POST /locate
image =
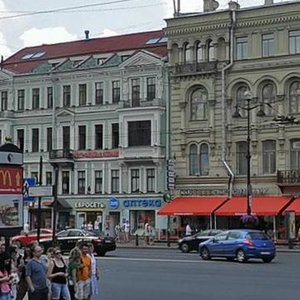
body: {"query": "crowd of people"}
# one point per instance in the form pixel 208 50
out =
pixel 48 276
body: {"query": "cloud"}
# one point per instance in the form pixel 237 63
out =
pixel 4 49
pixel 108 32
pixel 35 37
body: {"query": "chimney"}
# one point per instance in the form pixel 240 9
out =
pixel 269 2
pixel 87 34
pixel 210 5
pixel 233 5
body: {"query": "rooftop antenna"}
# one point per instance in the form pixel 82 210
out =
pixel 176 9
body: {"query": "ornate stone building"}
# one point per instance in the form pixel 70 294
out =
pixel 219 59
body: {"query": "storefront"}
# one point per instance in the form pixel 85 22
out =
pixel 46 214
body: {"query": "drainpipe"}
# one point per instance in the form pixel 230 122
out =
pixel 227 167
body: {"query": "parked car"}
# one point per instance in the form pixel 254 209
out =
pixel 27 238
pixel 191 243
pixel 69 238
pixel 239 244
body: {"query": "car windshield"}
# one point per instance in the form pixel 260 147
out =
pixel 89 233
pixel 257 236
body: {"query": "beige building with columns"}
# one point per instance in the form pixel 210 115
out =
pixel 218 60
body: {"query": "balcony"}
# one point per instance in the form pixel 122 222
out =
pixel 288 178
pixel 62 157
pixel 194 68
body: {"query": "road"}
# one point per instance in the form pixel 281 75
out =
pixel 150 274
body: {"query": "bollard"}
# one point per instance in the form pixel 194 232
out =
pixel 136 240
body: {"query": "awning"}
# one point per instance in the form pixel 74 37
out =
pixel 261 206
pixel 294 206
pixel 192 206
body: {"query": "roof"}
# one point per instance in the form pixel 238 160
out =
pixel 261 206
pixel 192 206
pixel 27 59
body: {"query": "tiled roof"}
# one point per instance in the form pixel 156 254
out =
pixel 17 64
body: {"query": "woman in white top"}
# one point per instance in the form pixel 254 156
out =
pixel 94 271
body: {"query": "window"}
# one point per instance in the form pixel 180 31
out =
pixel 82 137
pixel 98 182
pixel 116 91
pixel 294 97
pixel 295 155
pixel 82 94
pixel 188 53
pixel 241 100
pixel 99 136
pixel 150 174
pixel 35 98
pixel 98 93
pixel 268 45
pixel 210 51
pixel 66 96
pixel 49 97
pixel 241 157
pixel 66 137
pixel 135 180
pixel 48 178
pixel 49 139
pixel 241 48
pixel 135 92
pixel 115 181
pixel 294 41
pixel 4 100
pixel 115 135
pixel 81 182
pixel 65 182
pixel 139 133
pixel 199 104
pixel 269 157
pixel 199 52
pixel 35 175
pixel 21 99
pixel 151 88
pixel 199 160
pixel 268 96
pixel 35 140
pixel 20 138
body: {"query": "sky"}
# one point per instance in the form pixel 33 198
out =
pixel 25 23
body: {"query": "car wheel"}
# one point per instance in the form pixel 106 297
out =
pixel 267 259
pixel 205 254
pixel 241 256
pixel 101 253
pixel 185 248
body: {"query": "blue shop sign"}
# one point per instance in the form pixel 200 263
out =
pixel 142 203
pixel 114 203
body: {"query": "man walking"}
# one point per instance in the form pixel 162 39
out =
pixel 36 276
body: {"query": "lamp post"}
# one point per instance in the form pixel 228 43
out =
pixel 248 108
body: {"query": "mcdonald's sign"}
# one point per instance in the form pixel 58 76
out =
pixel 11 180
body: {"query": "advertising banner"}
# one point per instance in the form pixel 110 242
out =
pixel 11 180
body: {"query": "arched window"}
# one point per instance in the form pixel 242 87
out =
pixel 269 157
pixel 210 51
pixel 240 100
pixel 199 104
pixel 268 96
pixel 199 52
pixel 199 160
pixel 241 160
pixel 294 97
pixel 174 54
pixel 187 51
pixel 194 160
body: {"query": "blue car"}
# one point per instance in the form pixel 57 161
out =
pixel 239 244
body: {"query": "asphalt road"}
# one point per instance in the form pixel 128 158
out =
pixel 150 274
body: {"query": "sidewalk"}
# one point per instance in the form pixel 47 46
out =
pixel 174 246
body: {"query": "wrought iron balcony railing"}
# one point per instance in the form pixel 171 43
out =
pixel 61 154
pixel 195 68
pixel 288 177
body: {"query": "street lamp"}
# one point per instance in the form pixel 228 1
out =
pixel 248 97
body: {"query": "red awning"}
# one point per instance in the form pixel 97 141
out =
pixel 294 206
pixel 261 206
pixel 192 206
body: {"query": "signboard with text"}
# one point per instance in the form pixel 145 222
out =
pixel 11 180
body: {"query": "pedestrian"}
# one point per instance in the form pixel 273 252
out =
pixel 73 267
pixel 83 287
pixel 14 273
pixel 126 231
pixel 90 226
pixel 117 232
pixel 188 230
pixel 26 228
pixel 147 233
pixel 5 284
pixel 36 275
pixel 22 261
pixel 94 272
pixel 57 273
pixel 96 226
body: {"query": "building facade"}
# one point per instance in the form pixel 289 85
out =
pixel 218 59
pixel 95 111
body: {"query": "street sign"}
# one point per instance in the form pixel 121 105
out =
pixel 28 182
pixel 40 191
